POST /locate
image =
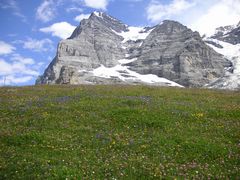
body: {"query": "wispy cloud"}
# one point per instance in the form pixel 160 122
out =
pixel 81 17
pixel 37 45
pixel 18 69
pixel 74 9
pixel 156 11
pixel 14 80
pixel 14 7
pixel 22 60
pixel 62 30
pixel 97 4
pixel 6 48
pixel 46 11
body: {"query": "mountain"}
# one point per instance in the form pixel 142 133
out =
pixel 229 34
pixel 226 41
pixel 103 50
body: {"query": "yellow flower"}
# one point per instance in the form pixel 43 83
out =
pixel 198 115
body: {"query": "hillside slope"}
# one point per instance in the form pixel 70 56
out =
pixel 118 132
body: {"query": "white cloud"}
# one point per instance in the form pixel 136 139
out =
pixel 5 68
pixel 22 60
pixel 13 80
pixel 222 13
pixel 156 11
pixel 97 4
pixel 203 16
pixel 62 30
pixel 74 9
pixel 46 11
pixel 18 70
pixel 38 45
pixel 81 17
pixel 6 48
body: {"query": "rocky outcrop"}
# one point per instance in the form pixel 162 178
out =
pixel 229 34
pixel 226 41
pixel 175 52
pixel 92 43
pixel 159 55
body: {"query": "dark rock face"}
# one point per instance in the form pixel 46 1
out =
pixel 171 51
pixel 229 34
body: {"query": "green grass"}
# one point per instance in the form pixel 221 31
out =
pixel 118 132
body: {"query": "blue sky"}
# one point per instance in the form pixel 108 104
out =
pixel 31 29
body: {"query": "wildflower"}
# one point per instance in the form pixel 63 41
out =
pixel 198 115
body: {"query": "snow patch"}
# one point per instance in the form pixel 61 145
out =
pixel 133 33
pixel 232 53
pixel 98 14
pixel 225 29
pixel 127 55
pixel 125 61
pixel 123 73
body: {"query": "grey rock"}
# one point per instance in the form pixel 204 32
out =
pixel 91 44
pixel 213 43
pixel 175 52
pixel 227 82
pixel 229 34
pixel 171 51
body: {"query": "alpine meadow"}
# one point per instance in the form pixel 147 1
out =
pixel 119 89
pixel 118 132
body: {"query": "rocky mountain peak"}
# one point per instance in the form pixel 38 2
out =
pixel 229 34
pixel 99 20
pixel 103 50
pixel 171 27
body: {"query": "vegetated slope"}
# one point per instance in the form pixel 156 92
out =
pixel 118 132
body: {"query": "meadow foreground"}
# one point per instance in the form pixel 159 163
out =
pixel 118 132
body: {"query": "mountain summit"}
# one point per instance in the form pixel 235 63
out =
pixel 103 50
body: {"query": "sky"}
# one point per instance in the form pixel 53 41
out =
pixel 31 29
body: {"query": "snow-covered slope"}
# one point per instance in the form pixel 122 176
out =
pixel 134 33
pixel 231 80
pixel 126 75
pixel 104 50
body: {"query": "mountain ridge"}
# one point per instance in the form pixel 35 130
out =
pixel 168 54
pixel 226 41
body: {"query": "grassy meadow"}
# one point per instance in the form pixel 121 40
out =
pixel 118 132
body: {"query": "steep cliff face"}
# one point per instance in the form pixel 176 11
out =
pixel 103 50
pixel 175 52
pixel 91 44
pixel 229 34
pixel 226 41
